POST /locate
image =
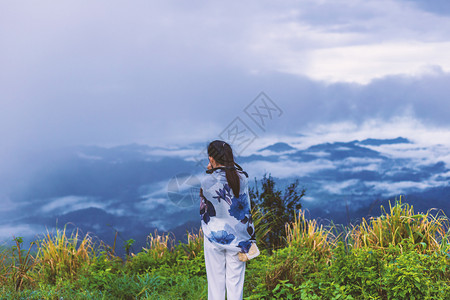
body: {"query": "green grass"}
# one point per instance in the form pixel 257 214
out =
pixel 399 255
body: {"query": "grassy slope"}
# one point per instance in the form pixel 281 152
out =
pixel 399 255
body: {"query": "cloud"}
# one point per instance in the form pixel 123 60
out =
pixel 152 203
pixel 339 188
pixel 441 7
pixel 351 41
pixel 7 204
pixel 67 204
pixel 171 196
pixel 8 232
pixel 355 164
pixel 420 154
pixel 402 187
pixel 364 63
pixel 161 73
pixel 177 152
pixel 286 169
pixel 420 133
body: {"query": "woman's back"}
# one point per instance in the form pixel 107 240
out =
pixel 226 218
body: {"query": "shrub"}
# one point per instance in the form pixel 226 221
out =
pixel 417 276
pixel 307 234
pixel 16 265
pixel 425 231
pixel 159 251
pixel 101 272
pixel 358 271
pixel 61 257
pixel 285 271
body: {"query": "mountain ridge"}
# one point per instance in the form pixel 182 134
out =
pixel 127 187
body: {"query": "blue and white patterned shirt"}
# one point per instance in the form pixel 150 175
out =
pixel 226 219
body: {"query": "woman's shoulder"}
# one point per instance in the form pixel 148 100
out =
pixel 220 176
pixel 212 178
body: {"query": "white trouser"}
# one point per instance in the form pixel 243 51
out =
pixel 223 270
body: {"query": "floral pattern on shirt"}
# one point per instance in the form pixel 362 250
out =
pixel 207 209
pixel 224 194
pixel 222 237
pixel 226 220
pixel 245 246
pixel 240 208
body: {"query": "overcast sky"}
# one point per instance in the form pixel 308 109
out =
pixel 173 72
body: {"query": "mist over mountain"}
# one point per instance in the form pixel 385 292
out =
pixel 349 97
pixel 136 189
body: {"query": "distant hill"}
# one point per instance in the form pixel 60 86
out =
pixel 278 147
pixel 379 142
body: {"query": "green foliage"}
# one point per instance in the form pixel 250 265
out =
pixel 254 284
pixel 281 274
pixel 277 208
pixel 101 272
pixel 400 255
pixel 61 256
pixel 49 292
pixel 159 251
pixel 425 231
pixel 358 271
pixel 414 275
pixel 127 245
pixel 20 263
pixel 307 234
pixel 181 287
pixel 144 262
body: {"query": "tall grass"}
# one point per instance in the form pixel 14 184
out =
pixel 159 246
pixel 62 256
pixel 4 265
pixel 16 265
pixel 395 227
pixel 162 251
pixel 402 225
pixel 309 234
pixel 194 245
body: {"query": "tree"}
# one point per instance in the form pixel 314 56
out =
pixel 277 209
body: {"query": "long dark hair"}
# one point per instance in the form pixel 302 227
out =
pixel 223 154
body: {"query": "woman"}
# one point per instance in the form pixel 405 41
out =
pixel 226 223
